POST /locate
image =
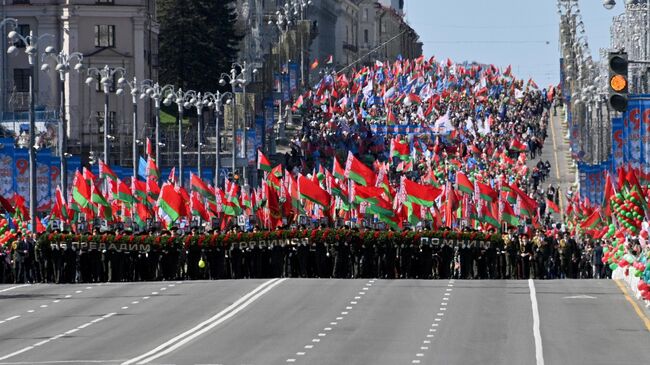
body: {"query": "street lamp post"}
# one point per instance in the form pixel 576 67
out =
pixel 216 101
pixel 239 79
pixel 158 93
pixel 181 99
pixel 106 75
pixel 64 62
pixel 31 49
pixel 137 90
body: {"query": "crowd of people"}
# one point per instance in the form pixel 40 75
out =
pixel 517 257
pixel 450 121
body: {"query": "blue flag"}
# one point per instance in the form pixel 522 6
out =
pixel 142 168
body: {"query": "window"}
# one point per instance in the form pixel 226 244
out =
pixel 100 122
pixel 103 2
pixel 23 30
pixel 21 79
pixel 22 2
pixel 104 36
pixel 365 36
pixel 365 15
pixel 99 87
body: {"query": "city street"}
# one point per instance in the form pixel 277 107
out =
pixel 322 322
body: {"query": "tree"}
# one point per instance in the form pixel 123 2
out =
pixel 198 41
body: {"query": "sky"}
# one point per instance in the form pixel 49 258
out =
pixel 523 33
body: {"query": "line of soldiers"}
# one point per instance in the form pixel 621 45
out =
pixel 519 258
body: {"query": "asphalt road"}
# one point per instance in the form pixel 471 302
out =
pixel 322 322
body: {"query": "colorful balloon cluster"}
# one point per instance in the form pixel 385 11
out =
pixel 628 209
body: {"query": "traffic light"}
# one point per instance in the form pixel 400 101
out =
pixel 618 84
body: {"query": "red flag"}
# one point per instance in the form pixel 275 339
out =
pixel 149 148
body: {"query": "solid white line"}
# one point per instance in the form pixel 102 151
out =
pixel 539 352
pixel 62 362
pixel 207 325
pixel 14 287
pixel 11 318
pixel 17 352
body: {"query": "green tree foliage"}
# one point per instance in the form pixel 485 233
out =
pixel 198 41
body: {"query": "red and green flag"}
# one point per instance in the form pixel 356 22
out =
pixel 312 191
pixel 424 195
pixel 170 203
pixel 464 184
pixel 201 187
pixel 509 215
pixel 338 171
pixel 80 190
pixel 518 146
pixel 400 149
pixel 593 221
pixel 487 193
pixel 152 169
pixel 357 171
pixel 123 193
pixel 263 162
pixel 552 206
pixel 105 172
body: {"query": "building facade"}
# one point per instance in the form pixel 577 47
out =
pixel 117 33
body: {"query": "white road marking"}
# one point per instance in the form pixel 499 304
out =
pixel 539 351
pixel 426 341
pixel 135 302
pixel 56 301
pixel 145 298
pixel 68 296
pixel 291 360
pixel 348 308
pixel 62 362
pixel 71 331
pixel 315 340
pixel 327 329
pixel 419 354
pixel 445 298
pixel 339 318
pixel 353 302
pixel 450 289
pixel 344 313
pixel 429 336
pixel 440 314
pixel 424 348
pixel 41 343
pixel 309 346
pixel 415 362
pixel 447 294
pixel 154 293
pixel 357 297
pixel 205 326
pixel 333 323
pixel 31 311
pixel 125 307
pixel 97 320
pixel 445 303
pixel 443 309
pixel 11 318
pixel 44 306
pixel 89 287
pixel 78 291
pixel 438 319
pixel 362 293
pixel 84 325
pixel 171 285
pixel 163 289
pixel 321 335
pixel 17 352
pixel 300 353
pixel 14 287
pixel 432 330
pixel 366 288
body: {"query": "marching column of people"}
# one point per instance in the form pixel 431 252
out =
pixel 543 256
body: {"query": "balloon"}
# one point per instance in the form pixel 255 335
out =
pixel 605 249
pixel 201 264
pixel 613 266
